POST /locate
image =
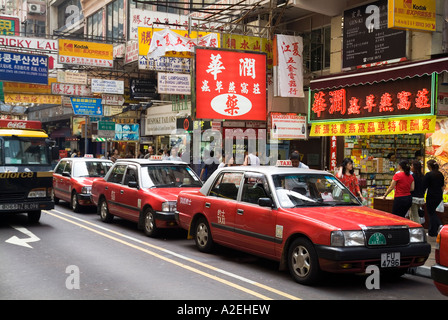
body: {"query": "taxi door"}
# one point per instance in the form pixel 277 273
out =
pixel 254 223
pixel 112 189
pixel 129 199
pixel 57 179
pixel 65 185
pixel 220 206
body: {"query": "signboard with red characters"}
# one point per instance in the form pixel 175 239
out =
pixel 20 124
pixel 230 84
pixel 410 96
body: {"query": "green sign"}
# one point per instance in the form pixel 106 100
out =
pixel 106 125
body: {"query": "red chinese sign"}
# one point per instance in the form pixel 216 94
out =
pixel 394 98
pixel 230 85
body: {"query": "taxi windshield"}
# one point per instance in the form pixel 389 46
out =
pixel 169 176
pixel 91 168
pixel 301 190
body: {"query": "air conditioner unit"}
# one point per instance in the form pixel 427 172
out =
pixel 34 8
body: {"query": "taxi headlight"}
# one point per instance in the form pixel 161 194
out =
pixel 341 238
pixel 37 193
pixel 86 189
pixel 169 206
pixel 417 235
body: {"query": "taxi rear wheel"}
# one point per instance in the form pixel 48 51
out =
pixel 103 210
pixel 303 262
pixel 149 225
pixel 203 236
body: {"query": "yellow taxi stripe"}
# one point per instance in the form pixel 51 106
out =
pixel 223 281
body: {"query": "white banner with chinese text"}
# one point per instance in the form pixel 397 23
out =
pixel 290 66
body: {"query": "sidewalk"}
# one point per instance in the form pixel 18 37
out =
pixel 425 270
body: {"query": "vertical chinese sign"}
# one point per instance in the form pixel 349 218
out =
pixel 290 66
pixel 230 84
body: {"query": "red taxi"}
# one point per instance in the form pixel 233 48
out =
pixel 73 177
pixel 439 271
pixel 305 219
pixel 144 191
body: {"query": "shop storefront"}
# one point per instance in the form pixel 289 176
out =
pixel 378 117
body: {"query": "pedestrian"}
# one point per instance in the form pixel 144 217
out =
pixel 295 161
pixel 228 161
pixel 115 155
pixel 403 183
pixel 346 174
pixel 150 152
pixel 433 184
pixel 251 160
pixel 418 194
pixel 210 165
pixel 74 153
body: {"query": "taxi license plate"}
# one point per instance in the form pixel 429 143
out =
pixel 19 206
pixel 390 259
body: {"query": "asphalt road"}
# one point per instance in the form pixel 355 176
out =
pixel 75 256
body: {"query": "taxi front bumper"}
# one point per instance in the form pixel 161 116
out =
pixel 356 259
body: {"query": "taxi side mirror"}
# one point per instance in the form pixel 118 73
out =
pixel 133 184
pixel 265 202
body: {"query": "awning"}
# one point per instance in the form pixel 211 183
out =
pixel 378 74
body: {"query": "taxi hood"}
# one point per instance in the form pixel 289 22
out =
pixel 168 194
pixel 86 181
pixel 352 217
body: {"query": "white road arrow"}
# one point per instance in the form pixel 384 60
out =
pixel 23 242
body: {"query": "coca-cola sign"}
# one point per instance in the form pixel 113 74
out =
pixel 20 124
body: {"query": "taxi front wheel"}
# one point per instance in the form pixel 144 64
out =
pixel 203 236
pixel 149 226
pixel 303 262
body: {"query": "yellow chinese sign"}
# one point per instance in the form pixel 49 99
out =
pixel 145 35
pixel 18 87
pixel 412 14
pixel 85 53
pixel 32 98
pixel 239 42
pixel 401 125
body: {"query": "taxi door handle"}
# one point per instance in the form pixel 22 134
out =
pixel 240 211
pixel 106 188
pixel 121 191
pixel 207 204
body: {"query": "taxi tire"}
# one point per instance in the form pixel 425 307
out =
pixel 303 263
pixel 103 211
pixel 55 199
pixel 202 236
pixel 148 217
pixel 74 202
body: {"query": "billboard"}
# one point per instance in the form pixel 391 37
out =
pixel 86 53
pixel 22 67
pixel 230 84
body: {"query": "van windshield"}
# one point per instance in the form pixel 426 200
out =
pixel 24 151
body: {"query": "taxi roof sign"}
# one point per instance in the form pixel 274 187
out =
pixel 155 158
pixel 283 163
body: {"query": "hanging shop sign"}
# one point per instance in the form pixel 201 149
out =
pixel 126 132
pixel 167 40
pixel 290 66
pixel 9 25
pixel 249 43
pixel 166 64
pixel 14 98
pixel 72 77
pixel 17 87
pixel 143 88
pixel 288 126
pixel 416 14
pixel 85 53
pixel 173 83
pixel 70 89
pixel 87 106
pixel 107 86
pixel 22 67
pixel 367 39
pixel 400 125
pixel 230 84
pixel 405 97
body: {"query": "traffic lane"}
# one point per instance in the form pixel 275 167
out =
pixel 109 269
pixel 266 273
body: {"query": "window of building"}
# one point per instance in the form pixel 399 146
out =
pixel 115 20
pixel 95 25
pixel 316 49
pixel 67 17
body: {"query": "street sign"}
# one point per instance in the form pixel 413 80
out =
pixel 87 106
pixel 106 129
